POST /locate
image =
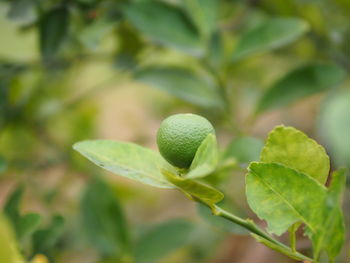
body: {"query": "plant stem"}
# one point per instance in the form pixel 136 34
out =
pixel 292 237
pixel 253 228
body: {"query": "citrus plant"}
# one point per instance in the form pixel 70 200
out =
pixel 286 188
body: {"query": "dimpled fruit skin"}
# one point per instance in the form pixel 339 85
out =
pixel 179 137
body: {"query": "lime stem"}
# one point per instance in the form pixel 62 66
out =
pixel 253 228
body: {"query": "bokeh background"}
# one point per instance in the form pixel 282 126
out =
pixel 113 69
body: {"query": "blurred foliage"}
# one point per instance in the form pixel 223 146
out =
pixel 234 62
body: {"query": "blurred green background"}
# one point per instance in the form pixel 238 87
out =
pixel 113 69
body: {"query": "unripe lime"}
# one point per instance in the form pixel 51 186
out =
pixel 179 137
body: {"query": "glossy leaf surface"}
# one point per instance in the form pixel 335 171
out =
pixel 205 160
pixel 126 159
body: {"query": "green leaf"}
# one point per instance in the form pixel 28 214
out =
pixel 244 149
pixel 11 208
pixel 299 83
pixel 92 35
pixel 219 222
pixel 46 238
pixel 53 29
pixel 165 24
pixel 28 224
pixel 205 160
pixel 194 189
pixel 271 34
pixel 331 236
pixel 203 14
pixel 334 126
pixel 126 159
pixel 291 147
pixel 283 196
pixel 103 219
pixel 9 251
pixel 162 240
pixel 183 84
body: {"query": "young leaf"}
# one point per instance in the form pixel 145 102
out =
pixel 126 159
pixel 300 83
pixel 9 251
pixel 53 29
pixel 205 160
pixel 203 14
pixel 283 196
pixel 103 219
pixel 291 147
pixel 183 84
pixel 28 224
pixel 162 240
pixel 194 189
pixel 165 24
pixel 331 236
pixel 244 149
pixel 272 34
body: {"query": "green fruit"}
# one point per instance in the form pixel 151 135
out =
pixel 179 137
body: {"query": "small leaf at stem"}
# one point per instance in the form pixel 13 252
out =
pixel 196 190
pixel 205 160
